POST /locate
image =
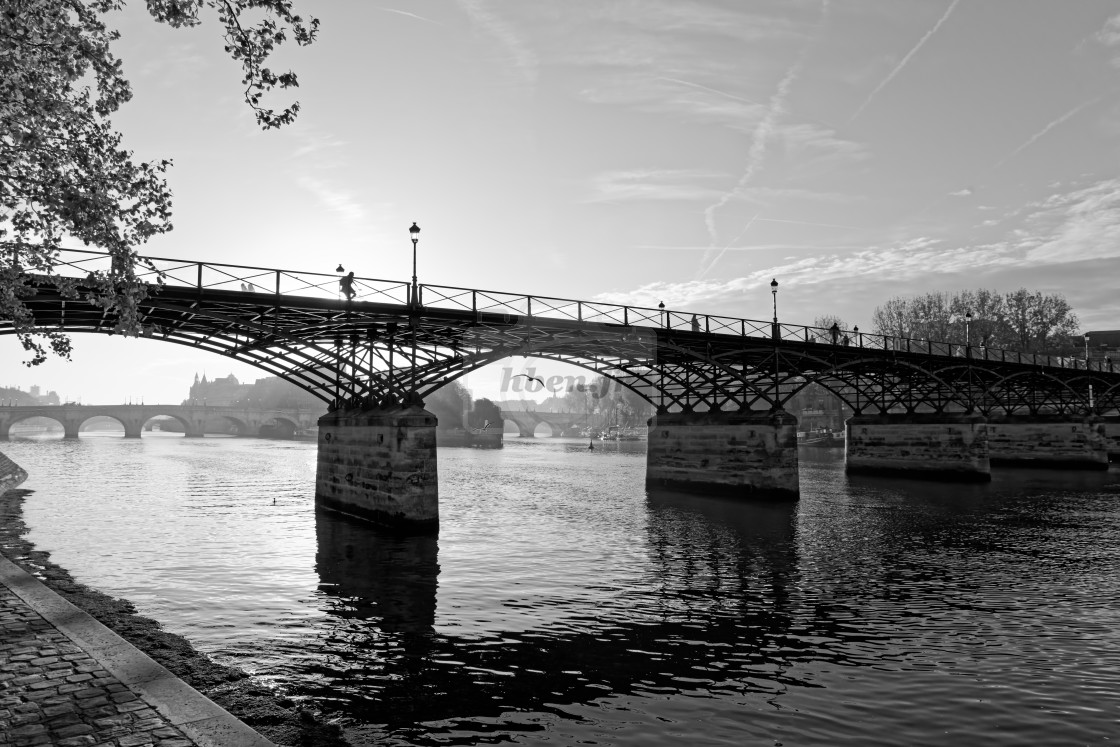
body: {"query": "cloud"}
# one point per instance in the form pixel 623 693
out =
pixel 664 184
pixel 1109 36
pixel 966 192
pixel 340 201
pixel 898 68
pixel 1077 226
pixel 522 56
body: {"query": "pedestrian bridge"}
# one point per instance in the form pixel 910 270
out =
pixel 244 421
pixel 935 408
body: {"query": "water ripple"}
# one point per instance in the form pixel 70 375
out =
pixel 562 604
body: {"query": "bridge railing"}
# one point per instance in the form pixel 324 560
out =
pixel 78 263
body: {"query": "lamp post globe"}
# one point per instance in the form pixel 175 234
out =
pixel 414 234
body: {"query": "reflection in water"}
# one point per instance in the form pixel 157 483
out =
pixel 561 604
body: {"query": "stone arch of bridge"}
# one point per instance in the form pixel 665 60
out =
pixel 158 413
pixel 7 423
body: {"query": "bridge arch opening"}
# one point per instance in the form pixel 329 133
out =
pixel 103 425
pixel 37 427
pixel 544 430
pixel 167 425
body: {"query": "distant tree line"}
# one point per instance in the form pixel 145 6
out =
pixel 449 402
pixel 1024 320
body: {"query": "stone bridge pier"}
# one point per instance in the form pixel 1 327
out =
pixel 736 454
pixel 379 464
pixel 963 447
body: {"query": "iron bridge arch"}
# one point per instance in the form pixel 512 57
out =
pixel 391 344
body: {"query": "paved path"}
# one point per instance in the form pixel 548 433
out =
pixel 67 680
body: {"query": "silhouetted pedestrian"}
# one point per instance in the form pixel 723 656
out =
pixel 834 330
pixel 695 324
pixel 846 341
pixel 346 284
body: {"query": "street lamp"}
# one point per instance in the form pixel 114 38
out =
pixel 774 291
pixel 661 368
pixel 967 323
pixel 414 232
pixel 1086 351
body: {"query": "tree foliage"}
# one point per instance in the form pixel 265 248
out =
pixel 1024 320
pixel 64 174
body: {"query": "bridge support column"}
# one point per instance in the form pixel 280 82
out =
pixel 380 465
pixel 71 428
pixel 741 455
pixel 1111 435
pixel 951 447
pixel 1049 441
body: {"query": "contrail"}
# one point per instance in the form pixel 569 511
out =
pixel 809 223
pixel 705 270
pixel 911 53
pixel 1034 138
pixel 410 15
pixel 725 94
pixel 755 155
pixel 757 151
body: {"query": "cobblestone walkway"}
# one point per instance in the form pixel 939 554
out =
pixel 52 692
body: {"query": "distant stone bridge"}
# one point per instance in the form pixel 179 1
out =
pixel 248 421
pixel 528 420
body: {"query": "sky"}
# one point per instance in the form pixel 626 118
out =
pixel 676 151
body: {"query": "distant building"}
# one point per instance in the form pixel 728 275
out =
pixel 269 392
pixel 222 391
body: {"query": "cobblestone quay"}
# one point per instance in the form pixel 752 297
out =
pixel 54 691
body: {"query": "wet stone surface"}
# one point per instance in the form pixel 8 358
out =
pixel 51 692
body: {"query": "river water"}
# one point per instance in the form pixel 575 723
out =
pixel 562 604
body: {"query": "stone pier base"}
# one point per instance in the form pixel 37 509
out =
pixel 741 455
pixel 380 465
pixel 11 474
pixel 931 447
pixel 1112 437
pixel 1048 441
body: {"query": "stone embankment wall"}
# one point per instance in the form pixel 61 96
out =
pixel 934 447
pixel 380 465
pixel 1062 441
pixel 11 474
pixel 743 455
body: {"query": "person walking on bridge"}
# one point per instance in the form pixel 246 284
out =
pixel 834 330
pixel 346 285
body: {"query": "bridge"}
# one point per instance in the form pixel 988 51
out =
pixel 528 420
pixel 244 420
pixel 937 409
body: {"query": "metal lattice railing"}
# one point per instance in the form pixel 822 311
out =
pixel 244 278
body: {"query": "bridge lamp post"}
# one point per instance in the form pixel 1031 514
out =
pixel 967 324
pixel 1086 351
pixel 414 233
pixel 774 291
pixel 661 368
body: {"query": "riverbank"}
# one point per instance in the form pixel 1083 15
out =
pixel 280 719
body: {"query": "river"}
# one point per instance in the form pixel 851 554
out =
pixel 562 604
